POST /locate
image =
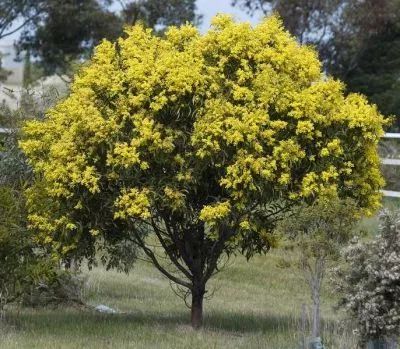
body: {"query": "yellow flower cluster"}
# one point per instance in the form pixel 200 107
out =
pixel 213 213
pixel 133 203
pixel 174 198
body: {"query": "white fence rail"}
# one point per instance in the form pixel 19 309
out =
pixel 5 130
pixel 385 161
pixel 391 135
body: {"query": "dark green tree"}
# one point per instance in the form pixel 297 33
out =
pixel 66 31
pixel 159 14
pixel 376 72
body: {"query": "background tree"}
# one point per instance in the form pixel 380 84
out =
pixel 66 31
pixel 12 11
pixel 199 143
pixel 375 70
pixel 311 21
pixel 160 14
pixel 337 28
pixel 319 232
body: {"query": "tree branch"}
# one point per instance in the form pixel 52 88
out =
pixel 156 263
pixel 170 254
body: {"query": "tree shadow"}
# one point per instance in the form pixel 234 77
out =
pixel 65 320
pixel 231 321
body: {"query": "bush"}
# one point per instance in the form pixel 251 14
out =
pixel 370 282
pixel 21 261
pixel 27 271
pixel 62 288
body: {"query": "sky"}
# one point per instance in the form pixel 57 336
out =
pixel 209 8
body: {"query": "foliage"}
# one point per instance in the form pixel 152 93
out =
pixel 14 170
pixel 319 232
pixel 201 141
pixel 27 273
pixel 321 229
pixel 369 283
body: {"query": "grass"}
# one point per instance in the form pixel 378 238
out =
pixel 256 304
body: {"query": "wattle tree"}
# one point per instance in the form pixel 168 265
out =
pixel 197 142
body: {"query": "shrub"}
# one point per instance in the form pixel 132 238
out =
pixel 21 262
pixel 370 281
pixel 26 267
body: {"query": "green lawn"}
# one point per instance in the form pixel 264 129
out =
pixel 256 304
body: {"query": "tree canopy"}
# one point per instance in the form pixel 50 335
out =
pixel 376 70
pixel 199 142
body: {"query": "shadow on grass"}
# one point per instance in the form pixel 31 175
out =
pixel 62 321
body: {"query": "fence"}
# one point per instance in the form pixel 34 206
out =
pixel 4 130
pixel 391 162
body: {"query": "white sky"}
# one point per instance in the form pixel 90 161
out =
pixel 209 8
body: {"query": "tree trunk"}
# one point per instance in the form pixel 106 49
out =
pixel 197 307
pixel 316 316
pixel 316 282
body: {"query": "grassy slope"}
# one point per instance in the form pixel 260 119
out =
pixel 255 305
